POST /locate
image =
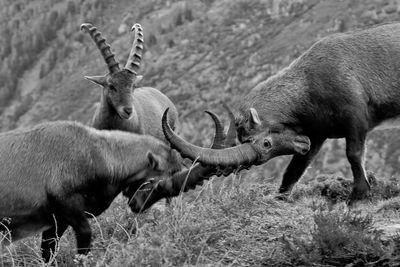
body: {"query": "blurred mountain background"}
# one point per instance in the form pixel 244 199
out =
pixel 199 53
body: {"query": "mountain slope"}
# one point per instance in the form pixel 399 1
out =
pixel 199 53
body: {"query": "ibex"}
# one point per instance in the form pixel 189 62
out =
pixel 342 87
pixel 57 174
pixel 125 106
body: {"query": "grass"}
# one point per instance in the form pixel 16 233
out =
pixel 234 223
pixel 229 222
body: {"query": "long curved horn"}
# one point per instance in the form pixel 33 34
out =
pixel 112 63
pixel 243 154
pixel 219 136
pixel 135 56
pixel 231 134
pixel 184 180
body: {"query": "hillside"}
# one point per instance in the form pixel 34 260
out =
pixel 200 54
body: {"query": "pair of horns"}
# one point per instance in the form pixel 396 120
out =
pixel 135 56
pixel 238 156
pixel 184 180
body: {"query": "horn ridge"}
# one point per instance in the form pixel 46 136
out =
pixel 108 57
pixel 105 49
pixel 135 55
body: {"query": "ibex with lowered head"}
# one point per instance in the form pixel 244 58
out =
pixel 123 105
pixel 342 87
pixel 56 173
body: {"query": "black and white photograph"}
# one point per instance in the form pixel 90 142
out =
pixel 200 133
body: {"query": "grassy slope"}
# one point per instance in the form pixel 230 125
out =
pixel 233 224
pixel 217 50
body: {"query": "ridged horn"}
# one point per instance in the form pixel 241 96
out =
pixel 105 49
pixel 171 187
pixel 231 133
pixel 219 136
pixel 135 56
pixel 182 181
pixel 243 154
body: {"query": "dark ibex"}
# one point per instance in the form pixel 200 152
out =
pixel 123 105
pixel 55 174
pixel 342 87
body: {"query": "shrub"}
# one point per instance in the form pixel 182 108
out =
pixel 333 188
pixel 341 238
pixel 392 204
pixel 337 188
pixel 385 188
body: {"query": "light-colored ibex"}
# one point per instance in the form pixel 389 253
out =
pixel 342 87
pixel 55 174
pixel 123 105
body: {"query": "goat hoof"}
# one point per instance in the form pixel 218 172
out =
pixel 282 197
pixel 357 194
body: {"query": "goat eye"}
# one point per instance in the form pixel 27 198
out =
pixel 267 143
pixel 112 88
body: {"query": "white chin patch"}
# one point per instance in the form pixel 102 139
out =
pixel 123 115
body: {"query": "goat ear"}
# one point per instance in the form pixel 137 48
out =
pixel 153 161
pixel 138 79
pixel 100 80
pixel 254 116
